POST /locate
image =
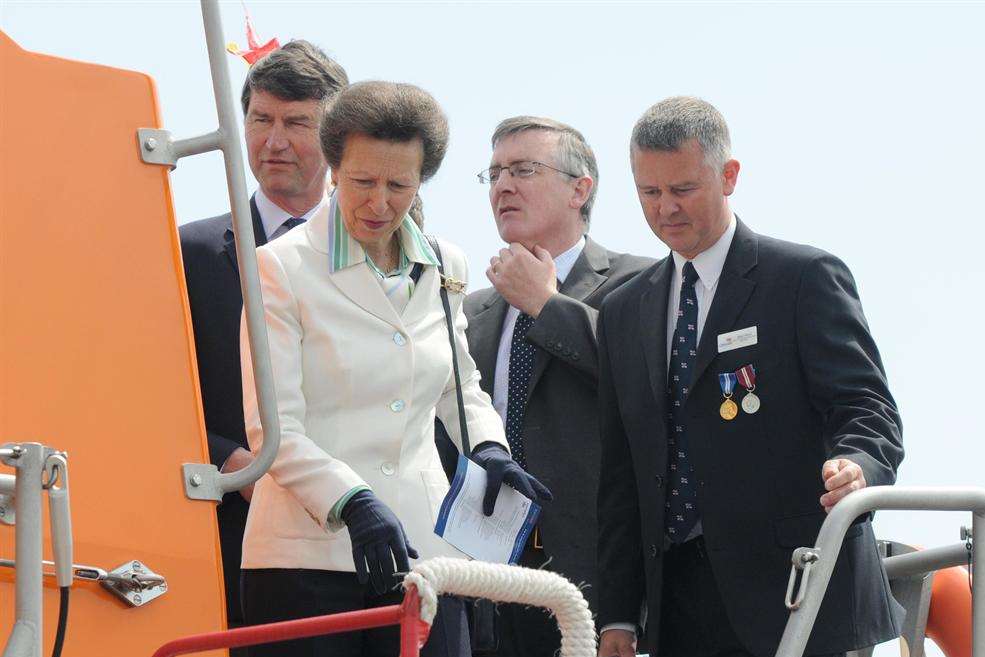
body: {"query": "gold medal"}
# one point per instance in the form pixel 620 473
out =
pixel 728 410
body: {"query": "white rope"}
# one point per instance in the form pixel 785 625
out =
pixel 502 583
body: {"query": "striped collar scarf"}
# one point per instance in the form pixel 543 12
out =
pixel 344 251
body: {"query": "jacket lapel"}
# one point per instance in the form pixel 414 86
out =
pixel 357 282
pixel 485 331
pixel 584 278
pixel 733 292
pixel 653 329
pixel 259 235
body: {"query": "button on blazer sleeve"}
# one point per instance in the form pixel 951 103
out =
pixel 846 379
pixel 313 476
pixel 483 421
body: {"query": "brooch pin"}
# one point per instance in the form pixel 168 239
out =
pixel 453 285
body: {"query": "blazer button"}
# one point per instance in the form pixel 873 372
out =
pixel 399 339
pixel 397 405
pixel 653 551
pixel 558 346
pixel 388 468
pixel 550 344
pixel 660 481
pixel 575 356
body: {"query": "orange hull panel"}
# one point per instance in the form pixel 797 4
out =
pixel 97 350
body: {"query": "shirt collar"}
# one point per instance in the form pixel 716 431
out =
pixel 709 263
pixel 566 261
pixel 344 251
pixel 272 216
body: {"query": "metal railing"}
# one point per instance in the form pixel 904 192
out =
pixel 815 564
pixel 413 632
pixel 203 481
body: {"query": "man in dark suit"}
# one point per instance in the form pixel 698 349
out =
pixel 283 99
pixel 532 336
pixel 701 503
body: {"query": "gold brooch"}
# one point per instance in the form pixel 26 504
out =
pixel 452 285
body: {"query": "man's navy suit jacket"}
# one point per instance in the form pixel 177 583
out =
pixel 824 395
pixel 212 276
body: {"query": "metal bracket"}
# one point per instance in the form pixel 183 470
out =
pixel 803 560
pixel 159 147
pixel 132 582
pixel 7 515
pixel 201 481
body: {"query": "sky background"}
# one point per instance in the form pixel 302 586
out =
pixel 858 127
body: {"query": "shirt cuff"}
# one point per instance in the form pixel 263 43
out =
pixel 335 515
pixel 629 627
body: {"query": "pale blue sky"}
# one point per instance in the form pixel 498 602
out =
pixel 858 126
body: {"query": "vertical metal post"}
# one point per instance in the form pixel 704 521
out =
pixel 245 243
pixel 25 640
pixel 977 577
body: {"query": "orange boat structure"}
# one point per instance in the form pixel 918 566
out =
pixel 98 362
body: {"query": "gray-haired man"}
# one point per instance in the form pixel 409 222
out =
pixel 701 503
pixel 532 336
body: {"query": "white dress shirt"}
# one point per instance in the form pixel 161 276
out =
pixel 709 264
pixel 272 216
pixel 501 383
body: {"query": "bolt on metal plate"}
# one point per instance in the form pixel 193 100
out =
pixel 125 582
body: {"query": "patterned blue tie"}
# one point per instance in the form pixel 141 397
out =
pixel 682 504
pixel 522 355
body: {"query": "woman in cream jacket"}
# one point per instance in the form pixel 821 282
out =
pixel 362 364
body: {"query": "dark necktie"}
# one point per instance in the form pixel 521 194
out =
pixel 682 504
pixel 291 223
pixel 522 355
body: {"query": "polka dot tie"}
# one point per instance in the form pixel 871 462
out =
pixel 522 355
pixel 682 501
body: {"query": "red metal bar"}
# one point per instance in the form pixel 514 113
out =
pixel 413 631
pixel 411 636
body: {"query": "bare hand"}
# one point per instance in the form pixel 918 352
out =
pixel 617 643
pixel 840 477
pixel 526 280
pixel 238 460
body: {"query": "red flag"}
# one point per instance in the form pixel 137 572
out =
pixel 256 51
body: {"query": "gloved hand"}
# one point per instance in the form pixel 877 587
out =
pixel 378 539
pixel 501 469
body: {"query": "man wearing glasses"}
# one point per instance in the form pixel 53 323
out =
pixel 532 336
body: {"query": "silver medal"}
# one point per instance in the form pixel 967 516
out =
pixel 750 403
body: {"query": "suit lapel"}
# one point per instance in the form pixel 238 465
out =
pixel 653 329
pixel 359 284
pixel 258 234
pixel 733 292
pixel 584 278
pixel 485 331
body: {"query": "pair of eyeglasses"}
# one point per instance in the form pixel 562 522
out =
pixel 517 170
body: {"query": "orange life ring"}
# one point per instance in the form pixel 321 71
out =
pixel 949 620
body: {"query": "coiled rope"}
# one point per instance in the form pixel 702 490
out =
pixel 502 583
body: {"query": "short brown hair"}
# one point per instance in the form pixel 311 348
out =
pixel 297 71
pixel 574 155
pixel 390 111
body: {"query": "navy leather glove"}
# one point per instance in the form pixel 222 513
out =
pixel 502 469
pixel 378 540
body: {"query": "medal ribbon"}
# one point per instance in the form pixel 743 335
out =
pixel 727 382
pixel 746 376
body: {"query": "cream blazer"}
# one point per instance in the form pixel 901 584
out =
pixel 358 387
